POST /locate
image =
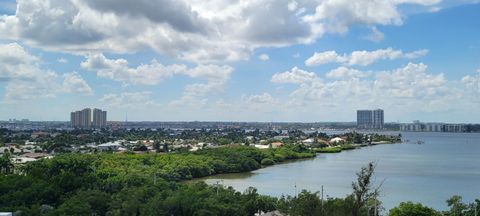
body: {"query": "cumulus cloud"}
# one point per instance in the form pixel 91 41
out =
pixel 62 60
pixel 119 70
pixel 412 81
pixel 361 57
pixel 295 76
pixel 339 15
pixel 264 98
pixel 375 35
pixel 177 14
pixel 410 87
pixel 214 76
pixel 128 99
pixel 472 83
pixel 325 58
pixel 74 83
pixel 264 57
pixel 152 73
pixel 25 79
pixel 346 73
pixel 192 30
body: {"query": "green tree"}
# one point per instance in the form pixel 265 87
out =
pixel 6 165
pixel 410 208
pixel 363 190
pixel 457 208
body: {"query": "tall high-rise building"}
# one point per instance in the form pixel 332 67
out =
pixel 83 118
pixel 364 119
pixel 370 119
pixel 378 120
pixel 99 118
pixel 72 119
pixel 75 119
pixel 86 118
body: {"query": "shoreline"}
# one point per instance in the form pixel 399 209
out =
pixel 249 173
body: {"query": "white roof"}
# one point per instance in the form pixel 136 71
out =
pixel 23 159
pixel 337 139
pixel 309 140
pixel 109 144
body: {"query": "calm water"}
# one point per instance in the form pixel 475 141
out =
pixel 447 164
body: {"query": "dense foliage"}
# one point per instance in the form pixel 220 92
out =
pixel 146 184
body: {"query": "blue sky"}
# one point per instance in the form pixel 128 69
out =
pixel 303 60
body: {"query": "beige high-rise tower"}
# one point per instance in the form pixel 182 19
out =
pixel 99 118
pixel 83 118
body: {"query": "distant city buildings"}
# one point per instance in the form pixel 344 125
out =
pixel 83 118
pixel 370 119
pixel 433 127
pixel 16 120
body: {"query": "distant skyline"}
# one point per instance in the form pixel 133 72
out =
pixel 264 61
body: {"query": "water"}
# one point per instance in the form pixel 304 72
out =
pixel 446 164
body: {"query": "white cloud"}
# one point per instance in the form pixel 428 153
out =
pixel 362 58
pixel 152 73
pixel 324 58
pixel 346 73
pixel 375 35
pixel 295 76
pixel 264 98
pixel 264 57
pixel 365 58
pixel 192 30
pixel 118 70
pixel 62 60
pixel 25 79
pixel 292 5
pixel 416 54
pixel 128 100
pixel 410 87
pixel 339 15
pixel 412 81
pixel 472 84
pixel 216 76
pixel 435 9
pixel 73 82
pixel 42 86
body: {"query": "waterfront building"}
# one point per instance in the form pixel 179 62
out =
pixel 378 119
pixel 370 119
pixel 364 119
pixel 418 126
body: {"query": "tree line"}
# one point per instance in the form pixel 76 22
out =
pixel 152 184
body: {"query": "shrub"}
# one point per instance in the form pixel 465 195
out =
pixel 267 162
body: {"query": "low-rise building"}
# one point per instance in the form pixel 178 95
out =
pixel 308 141
pixel 262 146
pixel 337 140
pixel 418 126
pixel 276 144
pixel 110 146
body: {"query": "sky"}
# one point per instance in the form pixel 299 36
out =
pixel 241 60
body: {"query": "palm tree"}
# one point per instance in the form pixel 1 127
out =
pixel 6 165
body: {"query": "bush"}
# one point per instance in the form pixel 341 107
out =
pixel 267 162
pixel 329 150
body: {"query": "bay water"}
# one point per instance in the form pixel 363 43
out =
pixel 445 164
